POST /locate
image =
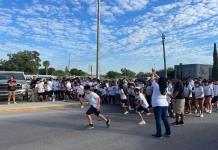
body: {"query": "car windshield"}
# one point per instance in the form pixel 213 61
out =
pixel 7 76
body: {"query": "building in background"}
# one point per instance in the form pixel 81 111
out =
pixel 194 70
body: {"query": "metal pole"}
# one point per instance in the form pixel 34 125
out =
pixel 164 55
pixel 98 42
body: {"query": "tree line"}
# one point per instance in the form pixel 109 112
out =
pixel 30 63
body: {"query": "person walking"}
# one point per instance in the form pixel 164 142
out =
pixel 160 104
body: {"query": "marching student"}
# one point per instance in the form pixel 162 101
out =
pixel 40 89
pixel 188 96
pixel 142 105
pixel 123 97
pixel 80 91
pixel 215 90
pixel 199 98
pixel 208 91
pixel 94 101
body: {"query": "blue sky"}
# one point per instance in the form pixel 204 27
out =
pixel 130 31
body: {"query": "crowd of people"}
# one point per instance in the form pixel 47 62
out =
pixel 165 98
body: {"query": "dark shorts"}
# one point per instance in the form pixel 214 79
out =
pixel 68 92
pixel 140 109
pixel 12 90
pixel 208 96
pixel 215 99
pixel 187 99
pixel 49 93
pixel 123 101
pixel 41 94
pixel 56 92
pixel 200 99
pixel 92 110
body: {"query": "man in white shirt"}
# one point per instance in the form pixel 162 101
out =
pixel 94 101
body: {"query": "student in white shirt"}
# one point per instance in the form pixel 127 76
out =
pixel 79 91
pixel 199 99
pixel 188 97
pixel 215 92
pixel 123 97
pixel 56 89
pixel 40 89
pixel 208 93
pixel 142 105
pixel 68 90
pixel 94 101
pixel 48 90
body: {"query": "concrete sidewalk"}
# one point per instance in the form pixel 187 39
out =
pixel 32 106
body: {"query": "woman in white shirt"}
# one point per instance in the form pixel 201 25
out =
pixel 160 104
pixel 199 98
pixel 208 92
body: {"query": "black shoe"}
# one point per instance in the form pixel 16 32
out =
pixel 156 136
pixel 181 123
pixel 176 124
pixel 108 123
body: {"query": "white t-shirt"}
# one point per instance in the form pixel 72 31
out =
pixel 148 90
pixel 122 94
pixel 80 89
pixel 68 86
pixel 92 98
pixel 40 87
pixel 188 91
pixel 50 85
pixel 56 86
pixel 208 90
pixel 157 98
pixel 215 90
pixel 141 99
pixel 198 92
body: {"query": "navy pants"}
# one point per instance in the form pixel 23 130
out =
pixel 160 113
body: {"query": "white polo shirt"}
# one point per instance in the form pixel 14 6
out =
pixel 92 98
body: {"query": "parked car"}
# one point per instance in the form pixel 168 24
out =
pixel 23 91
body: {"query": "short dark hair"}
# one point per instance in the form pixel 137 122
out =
pixel 136 90
pixel 87 87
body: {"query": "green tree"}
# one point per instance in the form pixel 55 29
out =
pixel 42 71
pixel 215 64
pixel 27 61
pixel 46 64
pixel 77 72
pixel 128 73
pixel 140 75
pixel 113 74
pixel 59 73
pixel 51 70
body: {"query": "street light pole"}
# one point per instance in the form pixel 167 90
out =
pixel 164 55
pixel 98 41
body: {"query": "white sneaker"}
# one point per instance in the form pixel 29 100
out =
pixel 198 115
pixel 126 112
pixel 9 103
pixel 53 100
pixel 15 102
pixel 81 106
pixel 206 110
pixel 142 123
pixel 201 115
pixel 210 112
pixel 196 111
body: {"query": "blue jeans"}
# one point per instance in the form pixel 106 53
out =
pixel 160 113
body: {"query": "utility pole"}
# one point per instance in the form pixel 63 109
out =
pixel 98 41
pixel 164 55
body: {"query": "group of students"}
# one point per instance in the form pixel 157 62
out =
pixel 162 97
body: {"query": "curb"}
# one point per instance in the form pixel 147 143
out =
pixel 36 108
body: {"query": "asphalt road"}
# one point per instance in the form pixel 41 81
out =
pixel 65 129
